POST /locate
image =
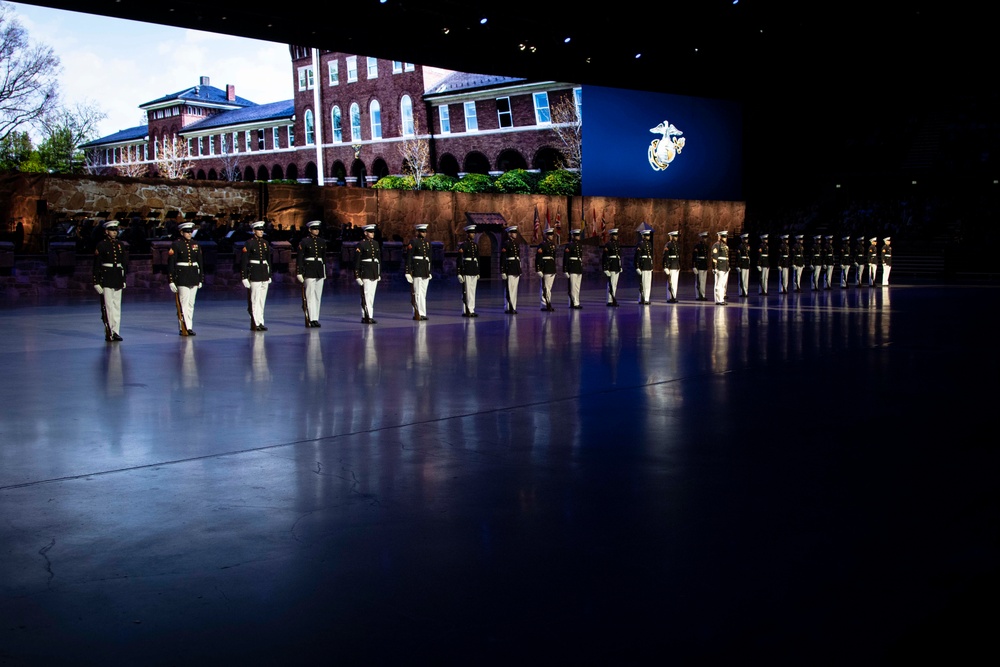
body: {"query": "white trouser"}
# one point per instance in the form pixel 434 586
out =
pixel 113 304
pixel 815 277
pixel 721 286
pixel 258 296
pixel 872 268
pixel 420 295
pixel 314 292
pixel 470 293
pixel 765 271
pixel 646 280
pixel 613 286
pixel 885 274
pixel 744 282
pixel 545 288
pixel 860 271
pixel 783 279
pixel 574 288
pixel 673 275
pixel 512 283
pixel 828 279
pixel 368 290
pixel 700 283
pixel 797 277
pixel 186 296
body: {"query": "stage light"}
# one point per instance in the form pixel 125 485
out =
pixel 566 41
pixel 446 30
pixel 483 21
pixel 638 55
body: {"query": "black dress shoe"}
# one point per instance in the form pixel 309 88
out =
pixel 116 337
pixel 513 312
pixel 423 318
pixel 190 332
pixel 261 327
pixel 466 315
pixel 314 323
pixel 474 315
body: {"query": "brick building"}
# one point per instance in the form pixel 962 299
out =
pixel 344 125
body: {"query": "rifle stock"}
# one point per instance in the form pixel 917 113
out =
pixel 180 314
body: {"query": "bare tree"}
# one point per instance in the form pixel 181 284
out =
pixel 28 75
pixel 416 153
pixel 232 168
pixel 93 164
pixel 66 129
pixel 568 126
pixel 173 160
pixel 131 163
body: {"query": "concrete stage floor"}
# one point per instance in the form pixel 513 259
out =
pixel 803 479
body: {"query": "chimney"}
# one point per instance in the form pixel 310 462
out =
pixel 230 92
pixel 204 81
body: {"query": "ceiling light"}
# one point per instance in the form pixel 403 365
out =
pixel 483 21
pixel 566 41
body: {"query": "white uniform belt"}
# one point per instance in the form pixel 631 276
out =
pixel 419 257
pixel 314 259
pixel 672 256
pixel 187 263
pixel 643 256
pixel 111 266
pixel 369 260
pixel 258 261
pixel 614 256
pixel 546 257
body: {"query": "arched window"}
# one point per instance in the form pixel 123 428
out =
pixel 376 115
pixel 338 134
pixel 406 107
pixel 310 128
pixel 355 122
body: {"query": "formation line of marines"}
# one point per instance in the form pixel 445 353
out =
pixel 185 269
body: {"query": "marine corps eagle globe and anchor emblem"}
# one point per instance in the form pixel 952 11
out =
pixel 662 151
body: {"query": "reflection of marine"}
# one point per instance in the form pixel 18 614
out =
pixel 784 263
pixel 763 264
pixel 545 267
pixel 798 262
pixel 643 261
pixel 845 260
pixel 743 264
pixel 311 271
pixel 573 267
pixel 886 260
pixel 611 263
pixel 185 267
pixel 110 267
pixel 672 265
pixel 418 270
pixel 700 266
pixel 468 271
pixel 872 260
pixel 367 272
pixel 720 267
pixel 816 261
pixel 256 270
pixel 510 268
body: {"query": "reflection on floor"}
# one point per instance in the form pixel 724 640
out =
pixel 800 479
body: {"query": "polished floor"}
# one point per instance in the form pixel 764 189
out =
pixel 799 479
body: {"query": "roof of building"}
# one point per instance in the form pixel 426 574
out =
pixel 205 94
pixel 131 134
pixel 284 109
pixel 465 81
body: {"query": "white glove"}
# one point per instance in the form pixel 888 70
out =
pixel 666 272
pixel 429 278
pixel 540 274
pixel 300 278
pixel 638 272
pixel 409 278
pixel 199 285
pixel 607 273
pixel 379 279
pixel 124 286
pixel 173 288
pixel 359 281
pixel 268 281
pixel 98 289
pixel 246 283
pixel 461 278
pixel 503 276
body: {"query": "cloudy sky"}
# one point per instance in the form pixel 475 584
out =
pixel 120 64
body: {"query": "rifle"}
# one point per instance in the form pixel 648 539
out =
pixel 364 304
pixel 253 324
pixel 506 289
pixel 104 318
pixel 465 300
pixel 614 299
pixel 545 293
pixel 642 290
pixel 305 305
pixel 413 299
pixel 180 314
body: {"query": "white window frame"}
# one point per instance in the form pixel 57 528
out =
pixel 333 68
pixel 201 145
pixel 509 114
pixel 291 135
pixel 275 137
pixel 236 142
pixel 397 66
pixel 306 78
pixel 375 116
pixel 260 140
pixel 309 126
pixel 372 68
pixel 471 121
pixel 247 142
pixel 406 113
pixel 543 114
pixel 408 67
pixel 578 101
pixel 444 115
pixel 337 124
pixel 352 69
pixel 211 144
pixel 355 116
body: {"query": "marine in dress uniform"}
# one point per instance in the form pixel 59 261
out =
pixel 720 267
pixel 367 272
pixel 886 260
pixel 829 261
pixel 110 269
pixel 763 264
pixel 859 260
pixel 699 265
pixel 573 267
pixel 310 270
pixel 418 270
pixel 798 262
pixel 185 267
pixel 743 265
pixel 784 264
pixel 611 263
pixel 545 267
pixel 672 265
pixel 255 266
pixel 816 261
pixel 845 260
pixel 468 271
pixel 872 257
pixel 643 261
pixel 510 268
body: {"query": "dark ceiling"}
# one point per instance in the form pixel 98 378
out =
pixel 803 68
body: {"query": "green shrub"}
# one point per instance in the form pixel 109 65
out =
pixel 438 182
pixel 560 182
pixel 394 183
pixel 517 181
pixel 474 183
